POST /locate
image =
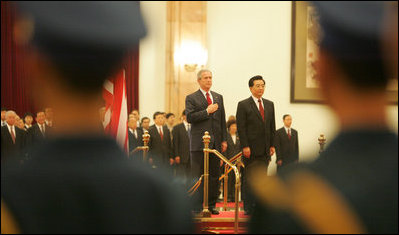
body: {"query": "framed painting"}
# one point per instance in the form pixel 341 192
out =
pixel 304 54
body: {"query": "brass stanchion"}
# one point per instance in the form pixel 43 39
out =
pixel 225 188
pixel 146 139
pixel 206 139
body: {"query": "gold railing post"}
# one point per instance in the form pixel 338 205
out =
pixel 238 184
pixel 146 139
pixel 206 139
pixel 225 188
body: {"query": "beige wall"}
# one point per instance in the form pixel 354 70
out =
pixel 246 39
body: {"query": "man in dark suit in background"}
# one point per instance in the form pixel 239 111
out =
pixel 205 112
pixel 145 124
pixel 181 148
pixel 40 130
pixel 13 139
pixel 286 144
pixel 135 139
pixel 256 128
pixel 160 146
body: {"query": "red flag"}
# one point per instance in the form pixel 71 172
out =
pixel 116 116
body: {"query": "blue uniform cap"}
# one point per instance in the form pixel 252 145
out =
pixel 351 30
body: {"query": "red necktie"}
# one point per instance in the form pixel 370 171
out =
pixel 12 135
pixel 160 133
pixel 289 134
pixel 261 110
pixel 208 99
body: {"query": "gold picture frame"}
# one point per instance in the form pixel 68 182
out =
pixel 304 45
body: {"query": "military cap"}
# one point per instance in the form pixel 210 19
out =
pixel 351 30
pixel 109 24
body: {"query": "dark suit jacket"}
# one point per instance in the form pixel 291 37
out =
pixel 160 150
pixel 253 131
pixel 232 149
pixel 36 135
pixel 133 142
pixel 181 143
pixel 214 123
pixel 8 148
pixel 286 149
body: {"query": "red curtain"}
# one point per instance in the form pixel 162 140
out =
pixel 15 89
pixel 15 92
pixel 131 66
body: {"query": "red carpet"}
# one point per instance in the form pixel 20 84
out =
pixel 230 204
pixel 224 222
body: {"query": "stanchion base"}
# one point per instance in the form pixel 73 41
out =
pixel 206 213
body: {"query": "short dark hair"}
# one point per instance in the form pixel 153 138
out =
pixel 144 118
pixel 28 114
pixel 40 111
pixel 230 122
pixel 183 113
pixel 169 114
pixel 254 78
pixel 156 114
pixel 285 115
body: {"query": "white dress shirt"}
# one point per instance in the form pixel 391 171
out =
pixel 134 132
pixel 186 125
pixel 210 94
pixel 234 137
pixel 159 127
pixel 9 129
pixel 286 130
pixel 257 103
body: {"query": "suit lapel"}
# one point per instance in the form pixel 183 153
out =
pixel 255 109
pixel 215 98
pixel 9 135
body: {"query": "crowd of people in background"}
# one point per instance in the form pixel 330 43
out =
pixel 18 134
pixel 169 145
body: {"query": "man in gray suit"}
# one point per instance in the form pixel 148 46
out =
pixel 205 112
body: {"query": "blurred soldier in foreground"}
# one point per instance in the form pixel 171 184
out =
pixel 353 186
pixel 80 181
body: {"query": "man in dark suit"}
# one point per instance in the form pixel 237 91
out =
pixel 13 139
pixel 256 128
pixel 135 139
pixel 40 130
pixel 79 180
pixel 205 112
pixel 286 144
pixel 352 187
pixel 181 148
pixel 145 124
pixel 160 146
